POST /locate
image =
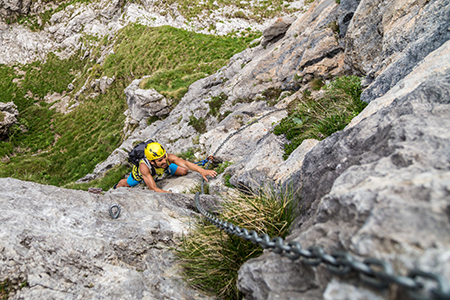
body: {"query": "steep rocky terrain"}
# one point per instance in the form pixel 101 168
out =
pixel 379 188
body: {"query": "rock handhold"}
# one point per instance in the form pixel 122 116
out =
pixel 276 31
pixel 145 103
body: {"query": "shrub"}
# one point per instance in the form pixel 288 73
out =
pixel 211 258
pixel 187 155
pixel 222 166
pixel 215 103
pixel 198 124
pixel 318 118
pixel 271 95
pixel 317 84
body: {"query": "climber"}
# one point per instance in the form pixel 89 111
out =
pixel 156 164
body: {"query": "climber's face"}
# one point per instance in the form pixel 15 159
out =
pixel 161 162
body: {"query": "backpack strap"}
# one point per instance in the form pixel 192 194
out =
pixel 149 165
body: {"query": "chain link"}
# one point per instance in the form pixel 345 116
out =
pixel 340 263
pixel 116 214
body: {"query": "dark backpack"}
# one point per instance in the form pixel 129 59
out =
pixel 137 153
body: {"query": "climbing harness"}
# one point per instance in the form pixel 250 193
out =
pixel 372 271
pixel 113 214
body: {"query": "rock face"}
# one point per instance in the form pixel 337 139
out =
pixel 145 103
pixel 64 31
pixel 8 117
pixel 276 31
pixel 386 39
pixel 65 245
pixel 378 189
pixel 10 8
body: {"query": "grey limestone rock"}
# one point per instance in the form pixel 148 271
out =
pixel 66 246
pixel 276 30
pixel 387 39
pixel 9 8
pixel 346 12
pixel 145 103
pixel 378 189
pixel 8 117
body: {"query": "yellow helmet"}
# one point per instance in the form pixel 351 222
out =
pixel 154 151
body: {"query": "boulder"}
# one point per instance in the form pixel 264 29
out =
pixel 145 103
pixel 64 244
pixel 8 118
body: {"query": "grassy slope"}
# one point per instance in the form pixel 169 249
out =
pixel 58 149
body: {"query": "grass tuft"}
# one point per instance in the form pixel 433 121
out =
pixel 310 118
pixel 198 124
pixel 216 103
pixel 211 258
pixel 7 286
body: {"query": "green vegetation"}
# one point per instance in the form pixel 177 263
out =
pixel 198 189
pixel 175 58
pixel 211 258
pixel 198 124
pixel 316 84
pixel 254 11
pixel 310 118
pixel 188 155
pixel 60 148
pixel 334 26
pixel 111 177
pixel 222 166
pixel 227 178
pixel 7 287
pixel 216 103
pixel 272 95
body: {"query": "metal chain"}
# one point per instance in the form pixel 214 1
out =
pixel 338 263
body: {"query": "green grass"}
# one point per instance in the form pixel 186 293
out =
pixel 173 57
pixel 310 118
pixel 6 287
pixel 222 166
pixel 198 124
pixel 111 177
pixel 216 103
pixel 58 148
pixel 211 258
pixel 188 154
